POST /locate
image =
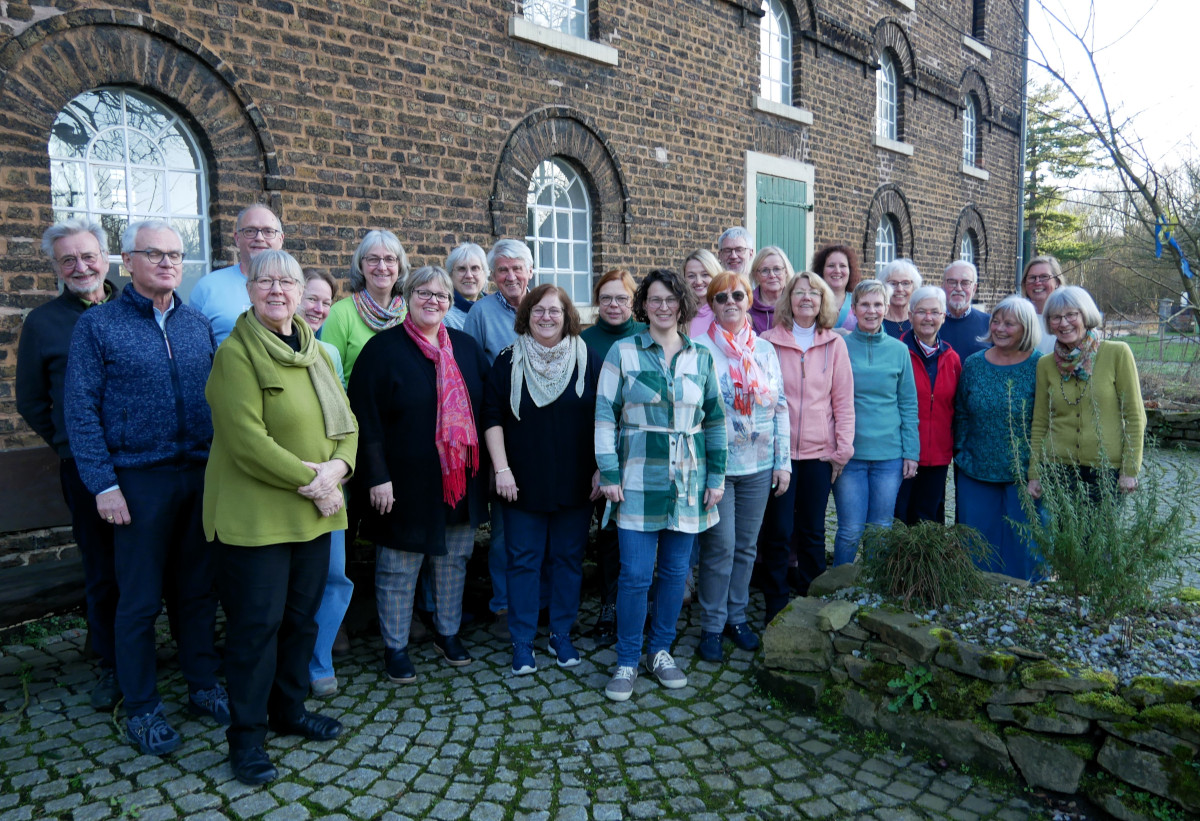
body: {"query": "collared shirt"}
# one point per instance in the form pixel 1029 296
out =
pixel 660 434
pixel 490 321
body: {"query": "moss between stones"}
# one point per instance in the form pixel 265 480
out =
pixel 1169 690
pixel 1184 781
pixel 1110 702
pixel 1175 716
pixel 998 661
pixel 1101 676
pixel 1189 595
pixel 877 674
pixel 1041 671
pixel 958 697
pixel 1044 709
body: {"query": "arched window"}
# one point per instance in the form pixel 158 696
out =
pixel 970 125
pixel 885 243
pixel 560 229
pixel 118 156
pixel 886 99
pixel 968 248
pixel 775 47
pixel 567 16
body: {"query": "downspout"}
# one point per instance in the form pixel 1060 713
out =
pixel 1022 250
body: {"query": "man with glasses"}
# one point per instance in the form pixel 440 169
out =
pixel 77 252
pixel 140 429
pixel 964 324
pixel 735 250
pixel 221 295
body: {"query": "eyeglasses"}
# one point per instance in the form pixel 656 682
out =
pixel 734 251
pixel 1069 316
pixel 901 283
pixel 267 233
pixel 809 294
pixel 771 272
pixel 614 299
pixel 662 302
pixel 553 313
pixel 1039 278
pixel 267 283
pixel 374 262
pixel 424 295
pixel 931 313
pixel 723 297
pixel 71 263
pixel 958 283
pixel 155 256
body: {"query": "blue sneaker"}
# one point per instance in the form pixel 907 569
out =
pixel 710 648
pixel 523 661
pixel 563 650
pixel 742 636
pixel 213 702
pixel 151 733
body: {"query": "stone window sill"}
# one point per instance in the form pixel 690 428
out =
pixel 521 29
pixel 893 145
pixel 977 173
pixel 911 5
pixel 977 47
pixel 788 112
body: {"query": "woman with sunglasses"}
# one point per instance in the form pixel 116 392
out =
pixel 758 464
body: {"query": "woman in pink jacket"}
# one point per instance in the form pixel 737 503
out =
pixel 819 387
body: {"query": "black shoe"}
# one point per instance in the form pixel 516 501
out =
pixel 794 580
pixel 399 667
pixel 452 650
pixel 742 636
pixel 251 766
pixel 106 693
pixel 605 631
pixel 313 726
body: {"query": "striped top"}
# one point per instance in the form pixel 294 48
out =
pixel 660 434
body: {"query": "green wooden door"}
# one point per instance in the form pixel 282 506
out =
pixel 781 217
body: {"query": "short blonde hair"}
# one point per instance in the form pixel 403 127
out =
pixel 826 317
pixel 760 259
pixel 1021 311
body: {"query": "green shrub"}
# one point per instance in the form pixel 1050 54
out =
pixel 927 564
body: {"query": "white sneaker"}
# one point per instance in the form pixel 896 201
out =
pixel 620 686
pixel 663 668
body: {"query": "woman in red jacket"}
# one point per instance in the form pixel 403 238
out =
pixel 936 368
pixel 819 388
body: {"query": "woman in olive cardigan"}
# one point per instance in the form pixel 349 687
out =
pixel 283 439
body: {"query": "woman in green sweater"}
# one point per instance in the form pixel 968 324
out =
pixel 283 439
pixel 886 439
pixel 1087 407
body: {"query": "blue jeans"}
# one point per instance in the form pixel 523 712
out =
pixel 864 494
pixel 639 552
pixel 535 540
pixel 498 561
pixel 334 603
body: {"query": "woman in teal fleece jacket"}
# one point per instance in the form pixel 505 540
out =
pixel 886 441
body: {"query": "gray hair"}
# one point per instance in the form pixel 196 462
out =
pixel 275 262
pixel 1072 297
pixel 1020 310
pixel 962 263
pixel 391 243
pixel 736 232
pixel 252 207
pixel 509 249
pixel 902 266
pixel 423 276
pixel 129 235
pixel 69 228
pixel 464 253
pixel 871 286
pixel 928 292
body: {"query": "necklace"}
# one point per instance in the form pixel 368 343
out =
pixel 1082 392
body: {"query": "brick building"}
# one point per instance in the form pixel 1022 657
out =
pixel 620 134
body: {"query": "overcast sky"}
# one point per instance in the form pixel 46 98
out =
pixel 1147 53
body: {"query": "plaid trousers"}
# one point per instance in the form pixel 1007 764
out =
pixel 396 573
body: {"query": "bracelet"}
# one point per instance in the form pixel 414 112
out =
pixel 503 470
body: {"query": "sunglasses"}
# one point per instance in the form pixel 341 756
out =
pixel 723 297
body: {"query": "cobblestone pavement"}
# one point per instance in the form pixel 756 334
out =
pixel 471 743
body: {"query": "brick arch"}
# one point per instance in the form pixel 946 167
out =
pixel 59 58
pixel 888 199
pixel 889 34
pixel 974 83
pixel 969 219
pixel 558 131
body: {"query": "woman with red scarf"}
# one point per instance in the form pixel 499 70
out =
pixel 418 388
pixel 759 463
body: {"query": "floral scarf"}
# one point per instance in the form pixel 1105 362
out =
pixel 749 383
pixel 545 372
pixel 376 317
pixel 455 436
pixel 1077 361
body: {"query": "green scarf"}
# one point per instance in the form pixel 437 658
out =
pixel 271 352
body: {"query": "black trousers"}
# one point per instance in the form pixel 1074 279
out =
pixel 923 497
pixel 270 595
pixel 95 539
pixel 797 517
pixel 163 547
pixel 607 555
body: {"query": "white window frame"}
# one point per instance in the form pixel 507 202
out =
pixel 775 54
pixel 567 16
pixel 886 241
pixel 541 30
pixel 197 260
pixel 970 132
pixel 968 247
pixel 578 246
pixel 758 163
pixel 887 99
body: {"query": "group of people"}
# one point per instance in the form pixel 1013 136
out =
pixel 227 448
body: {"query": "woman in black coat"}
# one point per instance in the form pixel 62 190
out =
pixel 418 390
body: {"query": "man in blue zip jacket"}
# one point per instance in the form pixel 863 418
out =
pixel 140 430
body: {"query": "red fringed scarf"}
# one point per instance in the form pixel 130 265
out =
pixel 456 438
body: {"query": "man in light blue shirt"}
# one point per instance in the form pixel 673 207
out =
pixel 221 295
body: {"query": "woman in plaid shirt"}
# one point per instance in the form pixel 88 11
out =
pixel 660 448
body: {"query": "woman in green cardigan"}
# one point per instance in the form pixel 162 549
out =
pixel 283 440
pixel 1087 406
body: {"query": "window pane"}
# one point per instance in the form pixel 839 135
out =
pixel 142 150
pixel 145 116
pixel 775 53
pixel 67 184
pixel 560 228
pixel 146 191
pixel 109 186
pixel 184 192
pixel 567 16
pixel 109 146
